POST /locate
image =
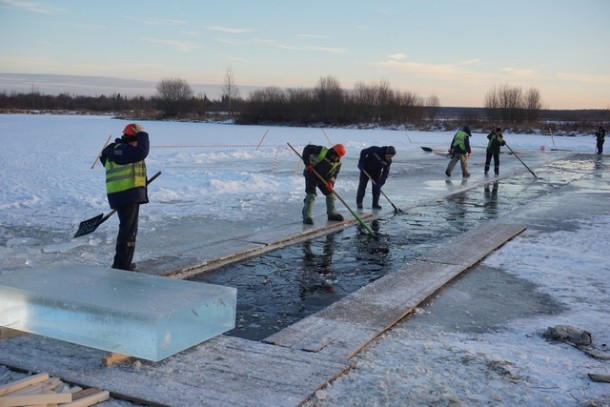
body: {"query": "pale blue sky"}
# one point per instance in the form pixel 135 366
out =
pixel 457 50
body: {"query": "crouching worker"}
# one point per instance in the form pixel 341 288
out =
pixel 325 162
pixel 126 188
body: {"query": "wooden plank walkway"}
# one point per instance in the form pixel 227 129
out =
pixel 286 368
pixel 343 328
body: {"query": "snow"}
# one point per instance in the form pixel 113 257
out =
pixel 223 178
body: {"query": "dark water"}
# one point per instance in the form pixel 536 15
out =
pixel 281 287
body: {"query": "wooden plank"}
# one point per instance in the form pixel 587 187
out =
pixel 345 327
pixel 48 385
pixel 89 400
pixel 222 371
pixel 33 399
pixel 112 358
pixel 22 383
pixel 9 333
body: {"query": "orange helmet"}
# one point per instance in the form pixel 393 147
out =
pixel 130 130
pixel 339 149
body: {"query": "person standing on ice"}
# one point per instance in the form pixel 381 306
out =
pixel 493 150
pixel 600 136
pixel 126 188
pixel 460 151
pixel 325 162
pixel 374 162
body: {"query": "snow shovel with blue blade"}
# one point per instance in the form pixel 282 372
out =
pixel 89 225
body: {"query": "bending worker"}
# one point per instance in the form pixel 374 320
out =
pixel 326 162
pixel 460 151
pixel 374 162
pixel 126 188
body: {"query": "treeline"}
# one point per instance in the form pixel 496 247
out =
pixel 325 104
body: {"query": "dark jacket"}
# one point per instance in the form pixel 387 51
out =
pixel 316 155
pixel 373 161
pixel 495 142
pixel 122 153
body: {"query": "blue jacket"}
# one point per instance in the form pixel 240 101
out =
pixel 123 153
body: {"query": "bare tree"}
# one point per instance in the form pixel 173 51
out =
pixel 533 104
pixel 229 89
pixel 174 96
pixel 432 106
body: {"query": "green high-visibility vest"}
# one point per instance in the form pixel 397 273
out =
pixel 459 140
pixel 123 177
pixel 322 156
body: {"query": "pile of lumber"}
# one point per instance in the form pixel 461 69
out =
pixel 43 391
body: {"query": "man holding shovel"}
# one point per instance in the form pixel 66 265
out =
pixel 374 163
pixel 325 162
pixel 126 188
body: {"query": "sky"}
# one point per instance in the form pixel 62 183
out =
pixel 454 50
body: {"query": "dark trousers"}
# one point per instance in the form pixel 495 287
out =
pixel 126 239
pixel 496 157
pixel 362 184
pixel 600 146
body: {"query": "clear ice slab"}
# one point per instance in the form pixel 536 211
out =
pixel 135 314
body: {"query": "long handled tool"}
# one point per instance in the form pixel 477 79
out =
pixel 515 154
pixel 89 225
pixel 364 225
pixel 101 151
pixel 396 210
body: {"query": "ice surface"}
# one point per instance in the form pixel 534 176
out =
pixel 135 314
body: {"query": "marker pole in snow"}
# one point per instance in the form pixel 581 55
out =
pixel 515 154
pixel 364 225
pixel 383 193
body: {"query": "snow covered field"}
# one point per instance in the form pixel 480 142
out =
pixel 227 179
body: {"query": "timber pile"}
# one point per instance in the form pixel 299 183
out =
pixel 43 391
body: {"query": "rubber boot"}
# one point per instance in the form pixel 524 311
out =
pixel 331 211
pixel 308 201
pixel 376 202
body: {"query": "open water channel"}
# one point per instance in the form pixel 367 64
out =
pixel 279 288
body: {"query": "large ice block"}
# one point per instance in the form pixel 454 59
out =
pixel 135 314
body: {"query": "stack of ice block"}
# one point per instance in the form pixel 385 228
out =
pixel 135 314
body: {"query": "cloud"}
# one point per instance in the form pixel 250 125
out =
pixel 519 72
pixel 437 71
pixel 227 29
pixel 397 56
pixel 313 36
pixel 32 6
pixel 596 79
pixel 180 45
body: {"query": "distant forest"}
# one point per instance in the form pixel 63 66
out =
pixel 327 104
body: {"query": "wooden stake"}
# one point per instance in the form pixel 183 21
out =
pixel 260 142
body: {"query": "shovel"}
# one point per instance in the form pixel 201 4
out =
pixel 89 225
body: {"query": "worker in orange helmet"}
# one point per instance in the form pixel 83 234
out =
pixel 326 162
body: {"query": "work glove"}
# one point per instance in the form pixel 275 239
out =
pixel 138 128
pixel 329 186
pixel 309 167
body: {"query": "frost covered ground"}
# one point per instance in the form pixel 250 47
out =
pixel 223 179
